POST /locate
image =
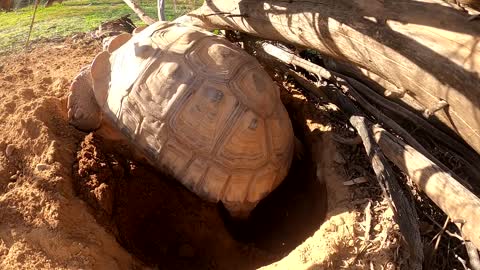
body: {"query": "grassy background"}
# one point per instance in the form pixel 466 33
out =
pixel 74 16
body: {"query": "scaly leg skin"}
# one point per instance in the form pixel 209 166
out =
pixel 83 110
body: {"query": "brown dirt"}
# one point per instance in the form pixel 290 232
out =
pixel 135 217
pixel 43 223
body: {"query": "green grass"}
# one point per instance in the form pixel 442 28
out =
pixel 72 16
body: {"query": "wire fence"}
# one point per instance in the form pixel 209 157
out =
pixel 73 16
pixel 173 8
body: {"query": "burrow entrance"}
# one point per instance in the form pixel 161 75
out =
pixel 165 225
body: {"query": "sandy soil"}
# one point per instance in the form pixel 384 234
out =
pixel 69 200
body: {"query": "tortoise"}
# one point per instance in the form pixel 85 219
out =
pixel 195 106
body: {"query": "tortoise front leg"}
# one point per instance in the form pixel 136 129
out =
pixel 83 110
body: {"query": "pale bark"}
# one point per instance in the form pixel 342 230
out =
pixel 424 47
pixel 139 11
pixel 461 205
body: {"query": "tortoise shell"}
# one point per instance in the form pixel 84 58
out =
pixel 200 108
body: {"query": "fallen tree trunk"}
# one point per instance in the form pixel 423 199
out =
pixel 353 85
pixel 423 47
pixel 461 205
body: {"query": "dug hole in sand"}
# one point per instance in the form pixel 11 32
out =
pixel 68 200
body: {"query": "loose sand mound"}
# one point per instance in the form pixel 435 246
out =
pixel 69 200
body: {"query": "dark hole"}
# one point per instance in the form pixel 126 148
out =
pixel 163 224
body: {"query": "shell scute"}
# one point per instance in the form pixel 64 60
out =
pixel 152 136
pixel 174 156
pixel 163 83
pixel 255 89
pixel 215 59
pixel 202 117
pixel 246 144
pixel 177 40
pixel 194 174
pixel 214 183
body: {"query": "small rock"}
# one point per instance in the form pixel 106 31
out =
pixel 9 150
pixel 13 177
pixel 377 228
pixel 42 167
pixel 186 251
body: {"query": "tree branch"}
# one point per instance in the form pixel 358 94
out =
pixel 140 13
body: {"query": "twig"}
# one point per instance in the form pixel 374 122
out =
pixel 368 220
pixel 355 181
pixel 455 235
pixel 31 24
pixel 439 236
